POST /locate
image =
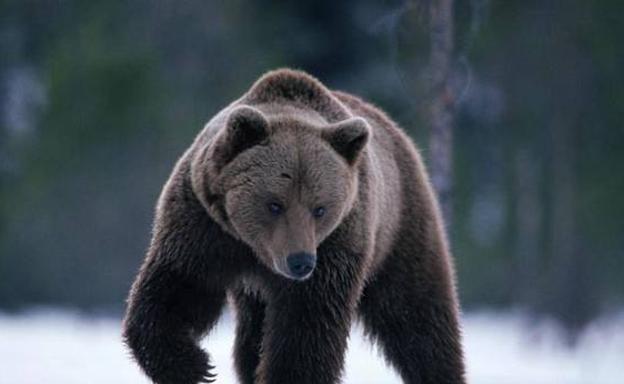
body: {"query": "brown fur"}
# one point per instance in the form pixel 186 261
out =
pixel 380 249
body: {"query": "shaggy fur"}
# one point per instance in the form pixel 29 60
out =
pixel 292 167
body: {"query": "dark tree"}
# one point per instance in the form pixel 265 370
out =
pixel 442 102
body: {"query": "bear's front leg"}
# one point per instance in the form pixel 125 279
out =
pixel 179 292
pixel 307 325
pixel 304 341
pixel 166 316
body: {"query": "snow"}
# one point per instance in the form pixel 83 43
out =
pixel 49 346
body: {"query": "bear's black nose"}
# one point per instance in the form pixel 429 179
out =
pixel 301 264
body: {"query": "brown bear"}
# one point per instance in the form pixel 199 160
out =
pixel 308 208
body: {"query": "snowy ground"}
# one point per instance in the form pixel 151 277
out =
pixel 61 347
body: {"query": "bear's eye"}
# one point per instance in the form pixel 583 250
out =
pixel 276 209
pixel 318 212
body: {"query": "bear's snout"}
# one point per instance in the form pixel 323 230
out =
pixel 300 264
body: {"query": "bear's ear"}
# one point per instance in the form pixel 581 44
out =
pixel 245 128
pixel 348 137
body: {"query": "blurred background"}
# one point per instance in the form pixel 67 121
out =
pixel 98 99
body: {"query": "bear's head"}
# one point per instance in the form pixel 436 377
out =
pixel 279 184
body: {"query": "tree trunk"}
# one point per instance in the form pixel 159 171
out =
pixel 528 215
pixel 442 103
pixel 570 289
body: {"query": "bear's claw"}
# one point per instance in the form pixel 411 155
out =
pixel 209 377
